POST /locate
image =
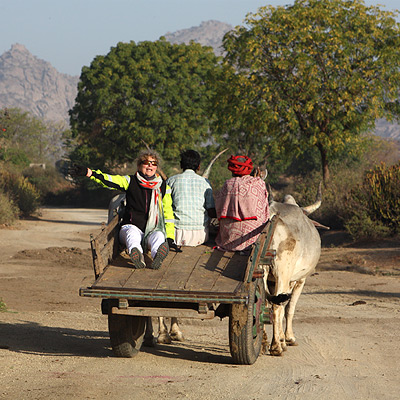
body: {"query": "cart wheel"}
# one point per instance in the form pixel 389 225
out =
pixel 246 326
pixel 126 334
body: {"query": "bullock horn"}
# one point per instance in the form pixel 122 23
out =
pixel 206 173
pixel 311 208
pixel 318 225
pixel 266 174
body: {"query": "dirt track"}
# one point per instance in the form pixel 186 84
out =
pixel 54 344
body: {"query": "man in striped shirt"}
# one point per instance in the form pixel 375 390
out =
pixel 192 202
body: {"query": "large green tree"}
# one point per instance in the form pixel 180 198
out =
pixel 315 74
pixel 155 92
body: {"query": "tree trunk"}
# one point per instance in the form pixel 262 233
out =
pixel 324 164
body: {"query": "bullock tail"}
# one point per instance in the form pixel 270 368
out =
pixel 279 299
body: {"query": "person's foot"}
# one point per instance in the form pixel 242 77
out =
pixel 162 252
pixel 137 258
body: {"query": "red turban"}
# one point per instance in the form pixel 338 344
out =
pixel 240 165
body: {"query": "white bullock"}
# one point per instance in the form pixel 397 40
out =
pixel 298 247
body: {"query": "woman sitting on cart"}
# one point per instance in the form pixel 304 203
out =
pixel 148 219
pixel 242 207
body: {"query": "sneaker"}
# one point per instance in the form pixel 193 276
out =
pixel 137 258
pixel 162 252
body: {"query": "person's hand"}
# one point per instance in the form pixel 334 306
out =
pixel 172 246
pixel 77 170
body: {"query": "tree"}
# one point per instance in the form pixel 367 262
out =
pixel 152 91
pixel 312 74
pixel 25 138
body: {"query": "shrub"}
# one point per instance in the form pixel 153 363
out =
pixel 3 306
pixel 46 181
pixel 374 205
pixel 361 226
pixel 8 210
pixel 15 156
pixel 383 184
pixel 21 191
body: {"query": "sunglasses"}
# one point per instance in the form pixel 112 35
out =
pixel 148 163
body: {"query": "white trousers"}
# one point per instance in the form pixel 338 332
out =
pixel 191 238
pixel 131 236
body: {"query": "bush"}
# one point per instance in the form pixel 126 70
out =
pixel 374 205
pixel 3 306
pixel 383 185
pixel 46 181
pixel 8 210
pixel 15 156
pixel 21 191
pixel 361 226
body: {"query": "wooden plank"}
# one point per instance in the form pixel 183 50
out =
pixel 179 270
pixel 209 267
pixel 107 231
pixel 148 278
pixel 113 277
pixel 97 259
pixel 163 312
pixel 231 278
pixel 255 256
pixel 96 266
pixel 106 252
pixel 263 243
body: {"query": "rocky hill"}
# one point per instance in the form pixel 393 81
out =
pixel 208 33
pixel 32 84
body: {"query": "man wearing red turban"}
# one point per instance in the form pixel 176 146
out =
pixel 242 207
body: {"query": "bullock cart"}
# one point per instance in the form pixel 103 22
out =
pixel 200 283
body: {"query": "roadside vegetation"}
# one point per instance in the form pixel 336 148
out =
pixel 3 306
pixel 298 90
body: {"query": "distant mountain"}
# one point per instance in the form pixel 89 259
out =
pixel 34 85
pixel 208 33
pixel 388 130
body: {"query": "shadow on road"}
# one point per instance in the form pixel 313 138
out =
pixel 32 338
pixel 192 351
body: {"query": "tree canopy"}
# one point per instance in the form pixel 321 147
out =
pixel 153 91
pixel 312 74
pixel 25 138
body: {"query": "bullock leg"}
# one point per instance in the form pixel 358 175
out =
pixel 163 335
pixel 289 312
pixel 278 344
pixel 264 343
pixel 175 332
pixel 149 340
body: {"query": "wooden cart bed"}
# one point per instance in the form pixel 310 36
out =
pixel 197 274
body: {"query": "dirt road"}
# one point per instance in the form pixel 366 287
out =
pixel 54 344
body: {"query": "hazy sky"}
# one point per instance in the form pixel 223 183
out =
pixel 70 33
